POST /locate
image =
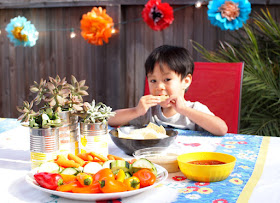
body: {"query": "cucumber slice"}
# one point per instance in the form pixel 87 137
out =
pixel 50 167
pixel 70 171
pixel 92 168
pixel 120 164
pixel 143 163
pixel 107 164
pixel 80 169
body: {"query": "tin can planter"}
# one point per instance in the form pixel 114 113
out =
pixel 44 145
pixel 68 133
pixel 94 137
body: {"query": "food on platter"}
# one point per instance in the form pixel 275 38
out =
pixel 96 176
pixel 152 131
pixel 163 97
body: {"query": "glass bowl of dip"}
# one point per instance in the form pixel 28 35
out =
pixel 163 156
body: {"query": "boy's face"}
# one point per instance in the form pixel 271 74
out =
pixel 166 82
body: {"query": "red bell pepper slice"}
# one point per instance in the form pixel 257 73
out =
pixel 48 180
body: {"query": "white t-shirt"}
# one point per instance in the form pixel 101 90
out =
pixel 155 115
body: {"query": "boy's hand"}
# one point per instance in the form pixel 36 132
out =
pixel 178 103
pixel 147 102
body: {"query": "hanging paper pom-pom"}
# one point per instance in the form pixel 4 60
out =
pixel 96 26
pixel 158 15
pixel 21 32
pixel 228 14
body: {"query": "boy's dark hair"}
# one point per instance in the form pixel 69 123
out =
pixel 176 58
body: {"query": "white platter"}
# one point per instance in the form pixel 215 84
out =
pixel 162 176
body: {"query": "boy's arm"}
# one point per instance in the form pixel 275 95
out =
pixel 212 124
pixel 123 116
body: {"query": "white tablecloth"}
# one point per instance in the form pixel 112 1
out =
pixel 15 164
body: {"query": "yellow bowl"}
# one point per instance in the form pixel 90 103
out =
pixel 206 173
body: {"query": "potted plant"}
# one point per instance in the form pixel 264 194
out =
pixel 94 127
pixel 53 127
pixel 44 132
pixel 65 99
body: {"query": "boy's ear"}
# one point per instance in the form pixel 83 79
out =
pixel 187 80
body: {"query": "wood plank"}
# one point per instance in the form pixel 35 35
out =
pixel 130 31
pixel 4 44
pixel 198 30
pixel 139 69
pixel 189 28
pixel 113 66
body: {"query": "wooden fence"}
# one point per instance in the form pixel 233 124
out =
pixel 114 72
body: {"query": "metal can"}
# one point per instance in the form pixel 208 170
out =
pixel 68 133
pixel 43 145
pixel 94 138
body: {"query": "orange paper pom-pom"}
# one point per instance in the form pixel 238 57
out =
pixel 96 26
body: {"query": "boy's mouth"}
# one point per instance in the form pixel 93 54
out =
pixel 163 97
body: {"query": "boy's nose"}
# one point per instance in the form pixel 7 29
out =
pixel 160 86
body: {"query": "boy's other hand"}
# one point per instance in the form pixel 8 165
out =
pixel 178 103
pixel 147 102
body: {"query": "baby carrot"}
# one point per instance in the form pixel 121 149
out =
pixel 62 161
pixel 116 157
pixel 110 157
pixel 99 156
pixel 132 161
pixel 95 159
pixel 76 159
pixel 85 156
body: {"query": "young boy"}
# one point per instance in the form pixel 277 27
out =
pixel 169 72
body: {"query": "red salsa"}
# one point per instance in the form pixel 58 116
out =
pixel 207 162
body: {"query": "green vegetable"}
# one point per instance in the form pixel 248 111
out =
pixel 70 171
pixel 143 163
pixel 120 164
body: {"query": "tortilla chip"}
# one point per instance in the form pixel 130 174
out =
pixel 163 97
pixel 159 129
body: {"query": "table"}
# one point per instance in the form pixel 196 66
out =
pixel 256 176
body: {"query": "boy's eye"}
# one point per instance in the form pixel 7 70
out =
pixel 152 81
pixel 167 79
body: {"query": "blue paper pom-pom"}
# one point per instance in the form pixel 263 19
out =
pixel 221 13
pixel 21 32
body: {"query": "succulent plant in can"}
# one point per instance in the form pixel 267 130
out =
pixel 95 113
pixel 52 97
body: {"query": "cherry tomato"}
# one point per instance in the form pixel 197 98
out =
pixel 108 185
pixel 103 173
pixel 146 177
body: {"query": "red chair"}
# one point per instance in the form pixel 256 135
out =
pixel 218 86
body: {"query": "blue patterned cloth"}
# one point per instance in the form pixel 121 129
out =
pixel 245 148
pixel 8 124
